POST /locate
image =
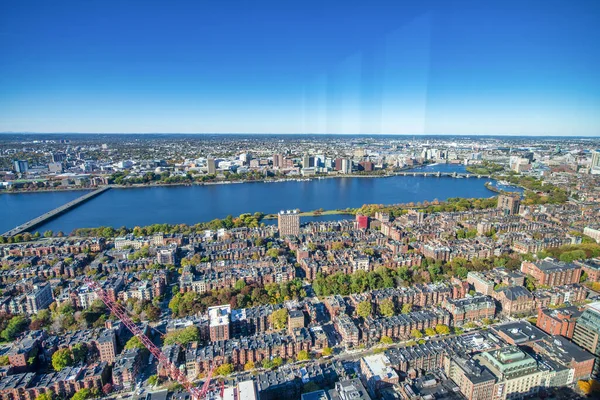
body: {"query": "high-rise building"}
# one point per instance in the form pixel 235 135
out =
pixel 59 157
pixel 219 319
pixel 362 221
pixel 288 223
pixel 277 160
pixel 587 333
pixel 211 166
pixel 21 166
pixel 509 204
pixel 346 166
pixel 595 166
pixel 307 161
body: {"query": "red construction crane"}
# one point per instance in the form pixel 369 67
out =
pixel 120 312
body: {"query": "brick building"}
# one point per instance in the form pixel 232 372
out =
pixel 550 272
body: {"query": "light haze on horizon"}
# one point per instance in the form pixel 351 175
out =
pixel 431 67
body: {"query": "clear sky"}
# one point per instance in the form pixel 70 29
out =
pixel 406 67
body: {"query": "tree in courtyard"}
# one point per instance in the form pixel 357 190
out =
pixel 134 343
pixel 406 308
pixel 279 318
pixel 182 336
pixel 364 309
pixel 386 308
pixel 62 358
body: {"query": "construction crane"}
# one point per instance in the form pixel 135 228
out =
pixel 120 312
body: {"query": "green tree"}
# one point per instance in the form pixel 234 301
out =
pixel 530 283
pixel 45 396
pixel 364 309
pixel 417 334
pixel 15 327
pixel 48 234
pixel 134 343
pixel 406 308
pixel 224 369
pixel 277 362
pixel 182 336
pixel 387 308
pixel 386 340
pixel 442 329
pixel 303 355
pixel 153 380
pixel 62 358
pixel 279 318
pixel 83 394
pixel 4 361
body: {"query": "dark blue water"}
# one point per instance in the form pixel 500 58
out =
pixel 16 208
pixel 192 204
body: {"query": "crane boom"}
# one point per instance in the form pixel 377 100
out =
pixel 120 312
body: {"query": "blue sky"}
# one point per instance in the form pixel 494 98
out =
pixel 405 67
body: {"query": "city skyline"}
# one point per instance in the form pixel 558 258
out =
pixel 502 68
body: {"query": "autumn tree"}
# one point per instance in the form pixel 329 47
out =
pixel 442 329
pixel 386 308
pixel 62 358
pixel 279 318
pixel 364 309
pixel 406 308
pixel 417 334
pixel 303 355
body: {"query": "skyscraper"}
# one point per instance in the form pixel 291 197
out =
pixel 21 166
pixel 595 166
pixel 288 223
pixel 587 333
pixel 211 166
pixel 509 204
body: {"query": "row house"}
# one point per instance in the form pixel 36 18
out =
pixel 470 309
pixel 534 246
pixel 400 326
pixel 560 295
pixel 199 359
pixel 65 383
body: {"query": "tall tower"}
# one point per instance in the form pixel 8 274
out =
pixel 288 223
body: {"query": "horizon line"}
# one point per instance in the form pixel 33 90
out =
pixel 298 133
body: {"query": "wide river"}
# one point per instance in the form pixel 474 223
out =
pixel 192 204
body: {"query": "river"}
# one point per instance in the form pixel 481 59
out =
pixel 192 204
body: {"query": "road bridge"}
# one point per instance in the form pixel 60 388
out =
pixel 440 174
pixel 54 213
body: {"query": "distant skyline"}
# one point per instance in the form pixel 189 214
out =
pixel 383 67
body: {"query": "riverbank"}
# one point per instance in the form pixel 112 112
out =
pixel 316 213
pixel 209 183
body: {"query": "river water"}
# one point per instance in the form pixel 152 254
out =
pixel 192 204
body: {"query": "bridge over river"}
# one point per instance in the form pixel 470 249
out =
pixel 440 174
pixel 54 213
